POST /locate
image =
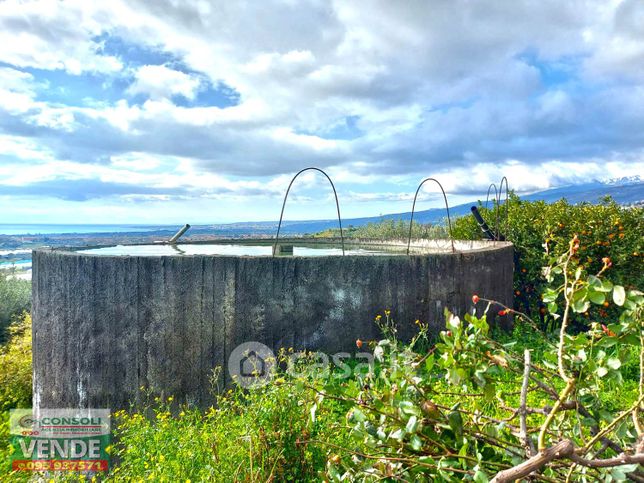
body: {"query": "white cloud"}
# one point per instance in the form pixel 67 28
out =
pixel 135 161
pixel 619 43
pixel 161 82
pixel 17 90
pixel 54 35
pixel 377 92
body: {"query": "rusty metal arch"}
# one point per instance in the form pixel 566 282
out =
pixel 413 209
pixel 489 189
pixel 337 204
pixel 507 207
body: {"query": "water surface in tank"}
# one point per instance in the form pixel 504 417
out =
pixel 233 250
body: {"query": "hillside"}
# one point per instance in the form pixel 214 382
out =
pixel 625 192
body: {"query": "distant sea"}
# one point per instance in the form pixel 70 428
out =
pixel 24 229
pixel 20 264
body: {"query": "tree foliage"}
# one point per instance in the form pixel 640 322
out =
pixel 15 298
pixel 476 409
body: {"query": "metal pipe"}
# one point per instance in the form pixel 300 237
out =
pixel 179 234
pixel 482 224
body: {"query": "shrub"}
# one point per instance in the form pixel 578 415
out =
pixel 389 230
pixel 473 409
pixel 15 364
pixel 258 435
pixel 15 298
pixel 15 380
pixel 604 230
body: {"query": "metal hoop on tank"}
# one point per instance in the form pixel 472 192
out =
pixel 495 200
pixel 337 204
pixel 507 207
pixel 413 208
pixel 489 189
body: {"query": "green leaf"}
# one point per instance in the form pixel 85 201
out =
pixel 619 295
pixel 549 296
pixel 594 282
pixel 607 342
pixel 607 286
pixel 371 429
pixel 455 421
pixel 408 407
pixel 580 294
pixel 356 416
pixel 581 306
pixel 415 442
pixel 429 362
pixel 412 425
pixel 428 460
pixel 578 273
pixel 597 298
pixel 454 376
pixel 480 477
pixel 489 391
pixel 313 409
pixel 379 353
pixel 453 322
pixel 398 435
pixel 333 471
pixel 628 468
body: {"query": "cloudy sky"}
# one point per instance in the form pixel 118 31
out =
pixel 171 111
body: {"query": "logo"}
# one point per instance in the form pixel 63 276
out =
pixel 60 439
pixel 251 364
pixel 28 422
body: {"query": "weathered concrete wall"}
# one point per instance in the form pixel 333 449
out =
pixel 104 326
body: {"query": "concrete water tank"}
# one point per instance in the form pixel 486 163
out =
pixel 107 321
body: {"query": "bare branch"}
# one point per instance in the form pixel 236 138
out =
pixel 561 450
pixel 523 414
pixel 636 413
pixel 623 459
pixel 570 385
pixel 635 476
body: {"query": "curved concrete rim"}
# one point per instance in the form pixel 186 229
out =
pixel 419 247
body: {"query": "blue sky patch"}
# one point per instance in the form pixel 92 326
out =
pixel 345 129
pixel 553 73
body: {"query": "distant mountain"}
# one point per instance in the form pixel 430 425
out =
pixel 625 180
pixel 626 191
